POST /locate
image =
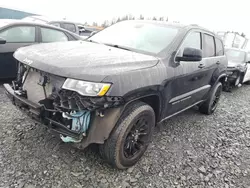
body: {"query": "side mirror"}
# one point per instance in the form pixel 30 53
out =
pixel 190 54
pixel 2 41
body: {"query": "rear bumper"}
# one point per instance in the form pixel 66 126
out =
pixel 37 112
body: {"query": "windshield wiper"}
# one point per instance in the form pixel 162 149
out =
pixel 117 46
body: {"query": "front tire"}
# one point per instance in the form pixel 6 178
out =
pixel 210 105
pixel 130 137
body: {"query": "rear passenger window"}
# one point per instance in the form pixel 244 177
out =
pixel 219 47
pixel 193 40
pixel 209 46
pixel 51 35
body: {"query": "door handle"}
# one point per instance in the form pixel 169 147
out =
pixel 218 62
pixel 201 66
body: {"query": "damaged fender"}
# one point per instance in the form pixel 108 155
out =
pixel 101 127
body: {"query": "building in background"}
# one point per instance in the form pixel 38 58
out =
pixel 6 13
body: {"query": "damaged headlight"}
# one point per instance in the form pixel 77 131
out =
pixel 86 88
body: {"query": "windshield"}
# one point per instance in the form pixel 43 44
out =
pixel 138 36
pixel 235 55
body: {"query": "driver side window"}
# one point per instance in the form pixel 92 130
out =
pixel 193 40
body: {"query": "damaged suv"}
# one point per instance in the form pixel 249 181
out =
pixel 238 70
pixel 115 87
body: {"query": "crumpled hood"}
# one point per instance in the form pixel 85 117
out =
pixel 82 60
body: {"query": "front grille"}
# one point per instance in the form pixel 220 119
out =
pixel 39 85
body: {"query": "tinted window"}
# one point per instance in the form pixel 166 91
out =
pixel 138 36
pixel 193 40
pixel 69 27
pixel 50 35
pixel 235 55
pixel 209 47
pixel 219 47
pixel 19 34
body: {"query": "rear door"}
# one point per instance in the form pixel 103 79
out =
pixel 16 37
pixel 213 57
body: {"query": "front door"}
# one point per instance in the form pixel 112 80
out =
pixel 191 83
pixel 16 37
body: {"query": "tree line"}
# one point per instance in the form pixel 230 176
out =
pixel 107 23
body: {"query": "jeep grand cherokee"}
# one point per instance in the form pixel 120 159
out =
pixel 115 87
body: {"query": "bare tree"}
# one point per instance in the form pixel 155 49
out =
pixel 141 17
pixel 119 19
pixel 154 18
pixel 105 24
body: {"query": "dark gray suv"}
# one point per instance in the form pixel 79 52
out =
pixel 115 87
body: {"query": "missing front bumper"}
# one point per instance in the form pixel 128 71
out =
pixel 100 126
pixel 38 113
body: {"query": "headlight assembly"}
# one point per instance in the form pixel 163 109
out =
pixel 86 88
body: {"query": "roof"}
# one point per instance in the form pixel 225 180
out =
pixel 4 22
pixel 171 24
pixel 66 21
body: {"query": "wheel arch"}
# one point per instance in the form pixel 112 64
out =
pixel 222 78
pixel 101 127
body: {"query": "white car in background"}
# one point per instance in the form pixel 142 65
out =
pixel 238 69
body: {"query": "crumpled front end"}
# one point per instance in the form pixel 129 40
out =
pixel 73 116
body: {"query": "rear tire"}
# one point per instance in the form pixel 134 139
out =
pixel 210 105
pixel 130 137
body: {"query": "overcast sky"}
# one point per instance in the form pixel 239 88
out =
pixel 213 14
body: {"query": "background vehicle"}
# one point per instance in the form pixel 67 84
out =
pixel 238 70
pixel 233 40
pixel 78 28
pixel 17 33
pixel 115 86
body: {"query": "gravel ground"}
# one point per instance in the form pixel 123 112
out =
pixel 190 150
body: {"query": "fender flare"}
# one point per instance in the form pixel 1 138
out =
pixel 224 75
